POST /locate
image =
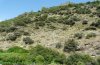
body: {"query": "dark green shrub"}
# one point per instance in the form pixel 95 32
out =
pixel 84 22
pixel 78 35
pixel 1 51
pixel 74 59
pixel 11 29
pixel 74 18
pixel 17 49
pixel 40 23
pixel 52 27
pixel 98 60
pixel 3 29
pixel 26 20
pixel 13 58
pixel 69 22
pixel 83 11
pixel 90 35
pixel 98 14
pixel 43 17
pixel 51 19
pixel 11 37
pixel 70 45
pixel 39 59
pixel 96 24
pixel 17 34
pixel 58 45
pixel 28 40
pixel 98 11
pixel 26 33
pixel 90 28
pixel 19 23
pixel 48 55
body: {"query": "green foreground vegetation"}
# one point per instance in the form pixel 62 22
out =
pixel 43 56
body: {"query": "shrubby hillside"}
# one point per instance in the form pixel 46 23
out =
pixel 67 34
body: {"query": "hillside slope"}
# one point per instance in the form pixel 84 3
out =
pixel 53 27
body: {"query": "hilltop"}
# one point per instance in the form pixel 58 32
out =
pixel 66 28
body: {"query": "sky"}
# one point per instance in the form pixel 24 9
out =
pixel 12 8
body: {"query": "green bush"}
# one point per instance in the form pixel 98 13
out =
pixel 84 22
pixel 76 59
pixel 39 59
pixel 98 60
pixel 19 23
pixel 3 29
pixel 69 22
pixel 13 58
pixel 90 35
pixel 58 45
pixel 26 33
pixel 40 23
pixel 74 18
pixel 83 11
pixel 11 37
pixel 52 27
pixel 17 49
pixel 11 29
pixel 78 35
pixel 48 55
pixel 70 45
pixel 21 20
pixel 17 34
pixel 28 40
pixel 91 28
pixel 96 24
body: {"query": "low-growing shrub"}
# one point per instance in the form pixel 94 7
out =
pixel 39 59
pixel 96 24
pixel 3 29
pixel 74 18
pixel 70 45
pixel 28 40
pixel 84 22
pixel 17 34
pixel 19 23
pixel 41 23
pixel 78 35
pixel 17 49
pixel 26 33
pixel 90 35
pixel 47 55
pixel 13 58
pixel 98 60
pixel 90 28
pixel 69 22
pixel 83 10
pixel 52 27
pixel 76 59
pixel 11 37
pixel 11 29
pixel 58 45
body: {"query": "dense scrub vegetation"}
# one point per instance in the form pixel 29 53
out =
pixel 41 18
pixel 69 16
pixel 42 55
